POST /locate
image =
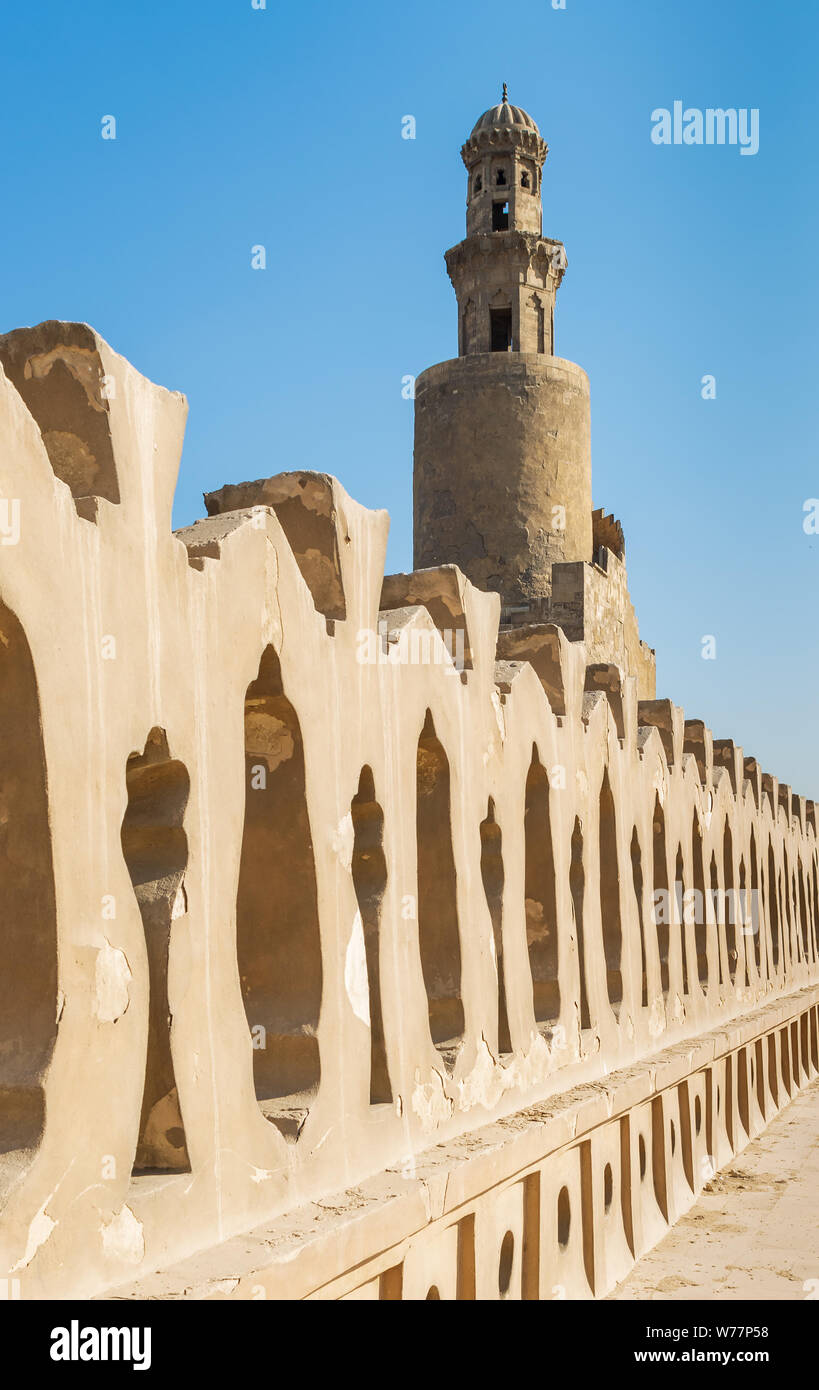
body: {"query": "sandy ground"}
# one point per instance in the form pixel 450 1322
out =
pixel 754 1233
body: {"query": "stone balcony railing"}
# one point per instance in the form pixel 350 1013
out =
pixel 306 881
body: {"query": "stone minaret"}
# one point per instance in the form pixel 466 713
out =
pixel 502 449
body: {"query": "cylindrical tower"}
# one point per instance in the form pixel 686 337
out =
pixel 502 445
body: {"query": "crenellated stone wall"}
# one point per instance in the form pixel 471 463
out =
pixel 342 955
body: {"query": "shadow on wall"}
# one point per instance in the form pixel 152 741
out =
pixel 639 886
pixel 610 896
pixel 28 919
pixel 700 928
pixel 437 900
pixel 492 875
pixel 277 922
pixel 155 847
pixel 369 868
pixel 577 888
pixel 660 882
pixel 541 904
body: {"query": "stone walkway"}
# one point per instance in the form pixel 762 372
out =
pixel 754 1234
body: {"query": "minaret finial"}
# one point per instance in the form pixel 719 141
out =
pixel 505 93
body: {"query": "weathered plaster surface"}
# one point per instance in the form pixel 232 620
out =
pixel 200 728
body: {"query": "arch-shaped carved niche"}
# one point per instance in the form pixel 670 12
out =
pixel 610 895
pixel 804 925
pixel 730 901
pixel 577 888
pixel 755 912
pixel 717 913
pixel 155 848
pixel 438 936
pixel 662 902
pixel 369 870
pixel 541 903
pixel 492 876
pixel 468 327
pixel 742 914
pixel 28 916
pixel 277 920
pixel 681 905
pixel 637 883
pixel 700 902
pixel 814 883
pixel 773 908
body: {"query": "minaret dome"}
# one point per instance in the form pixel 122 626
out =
pixel 504 158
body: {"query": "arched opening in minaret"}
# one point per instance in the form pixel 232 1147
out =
pixel 662 904
pixel 28 923
pixel 539 892
pixel 155 849
pixel 277 921
pixel 492 875
pixel 500 321
pixel 577 887
pixel 610 895
pixel 541 326
pixel 438 937
pixel 500 217
pixel 369 870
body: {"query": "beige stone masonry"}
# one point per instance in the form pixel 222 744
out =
pixel 288 906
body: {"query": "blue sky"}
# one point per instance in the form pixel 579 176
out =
pixel 282 127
